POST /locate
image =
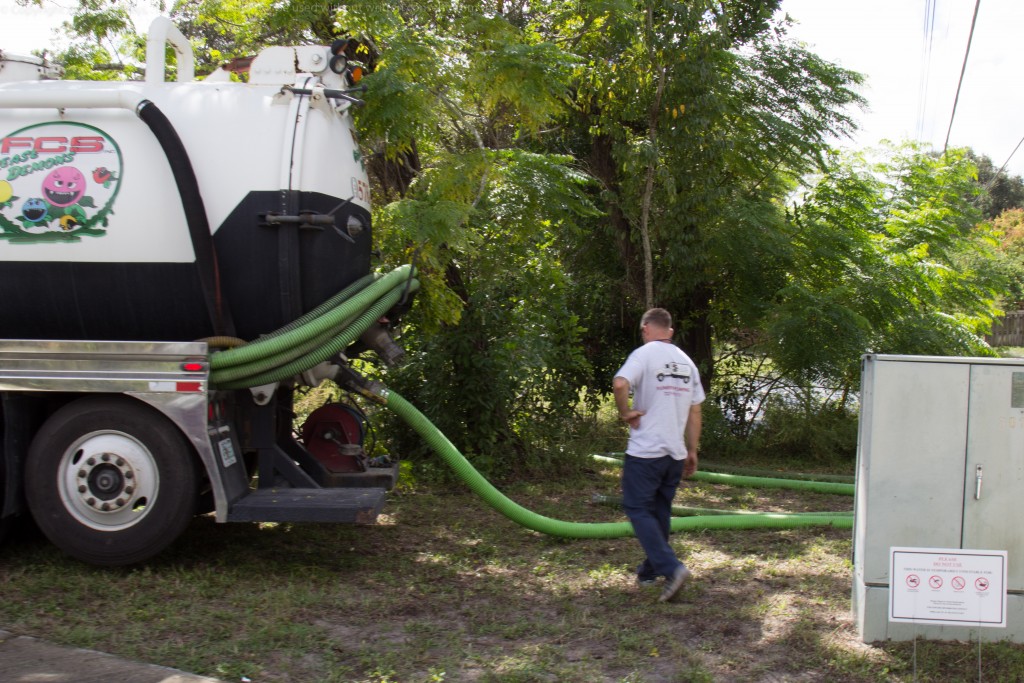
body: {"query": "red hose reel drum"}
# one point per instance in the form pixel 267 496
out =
pixel 333 434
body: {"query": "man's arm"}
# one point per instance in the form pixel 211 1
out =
pixel 620 388
pixel 691 438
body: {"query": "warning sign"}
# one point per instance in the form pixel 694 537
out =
pixel 948 586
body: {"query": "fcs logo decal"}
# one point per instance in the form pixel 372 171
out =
pixel 51 145
pixel 58 182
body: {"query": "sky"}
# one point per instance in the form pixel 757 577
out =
pixel 911 81
pixel 910 89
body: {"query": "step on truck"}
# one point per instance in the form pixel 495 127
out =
pixel 147 230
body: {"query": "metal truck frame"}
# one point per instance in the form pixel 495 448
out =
pixel 119 443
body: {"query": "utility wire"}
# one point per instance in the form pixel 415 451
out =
pixel 992 182
pixel 963 68
pixel 1001 168
pixel 929 40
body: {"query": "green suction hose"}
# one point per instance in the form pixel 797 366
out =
pixel 258 366
pixel 276 343
pixel 690 511
pixel 774 483
pixel 553 527
pixel 316 336
pixel 320 353
pixel 324 308
pixel 712 466
pixel 757 482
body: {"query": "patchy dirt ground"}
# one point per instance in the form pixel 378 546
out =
pixel 445 589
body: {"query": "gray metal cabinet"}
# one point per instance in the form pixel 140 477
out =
pixel 940 464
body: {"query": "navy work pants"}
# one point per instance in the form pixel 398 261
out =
pixel 648 487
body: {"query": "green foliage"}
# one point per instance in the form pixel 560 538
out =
pixel 808 430
pixel 757 413
pixel 224 29
pixel 889 258
pixel 744 112
pixel 719 441
pixel 515 74
pixel 1009 229
pixel 495 353
pixel 1001 192
pixel 503 383
pixel 104 43
pixel 743 385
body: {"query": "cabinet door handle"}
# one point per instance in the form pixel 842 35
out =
pixel 977 482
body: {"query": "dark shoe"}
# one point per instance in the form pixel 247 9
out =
pixel 646 582
pixel 675 583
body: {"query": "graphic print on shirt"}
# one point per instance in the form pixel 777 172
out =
pixel 673 379
pixel 675 371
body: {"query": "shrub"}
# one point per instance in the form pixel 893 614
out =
pixel 820 433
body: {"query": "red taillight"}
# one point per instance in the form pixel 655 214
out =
pixel 193 367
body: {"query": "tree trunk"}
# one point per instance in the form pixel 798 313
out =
pixel 652 162
pixel 602 166
pixel 696 335
pixel 645 210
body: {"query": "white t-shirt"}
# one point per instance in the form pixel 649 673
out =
pixel 665 383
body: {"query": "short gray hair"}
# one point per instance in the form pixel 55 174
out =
pixel 657 316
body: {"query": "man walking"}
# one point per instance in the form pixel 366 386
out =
pixel 664 431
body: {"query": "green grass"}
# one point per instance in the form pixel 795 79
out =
pixel 444 589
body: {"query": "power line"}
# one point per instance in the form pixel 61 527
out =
pixel 962 70
pixel 929 39
pixel 1003 167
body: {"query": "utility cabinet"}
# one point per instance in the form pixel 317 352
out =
pixel 940 464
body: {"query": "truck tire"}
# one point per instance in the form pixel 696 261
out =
pixel 5 522
pixel 110 481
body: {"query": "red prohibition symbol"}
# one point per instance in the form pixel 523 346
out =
pixel 935 582
pixel 958 583
pixel 913 580
pixel 981 583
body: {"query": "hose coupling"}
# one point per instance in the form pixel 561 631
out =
pixel 351 380
pixel 377 338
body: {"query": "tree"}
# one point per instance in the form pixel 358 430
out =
pixel 1009 227
pixel 1000 191
pixel 455 107
pixel 891 257
pixel 104 43
pixel 743 113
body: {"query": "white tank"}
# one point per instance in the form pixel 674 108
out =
pixel 26 68
pixel 178 210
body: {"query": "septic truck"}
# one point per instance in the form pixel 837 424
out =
pixel 177 257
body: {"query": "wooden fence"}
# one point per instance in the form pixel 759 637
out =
pixel 1008 330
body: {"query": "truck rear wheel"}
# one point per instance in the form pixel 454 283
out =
pixel 110 481
pixel 5 522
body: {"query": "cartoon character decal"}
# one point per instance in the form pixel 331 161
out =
pixel 34 210
pixel 64 186
pixel 58 182
pixel 103 176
